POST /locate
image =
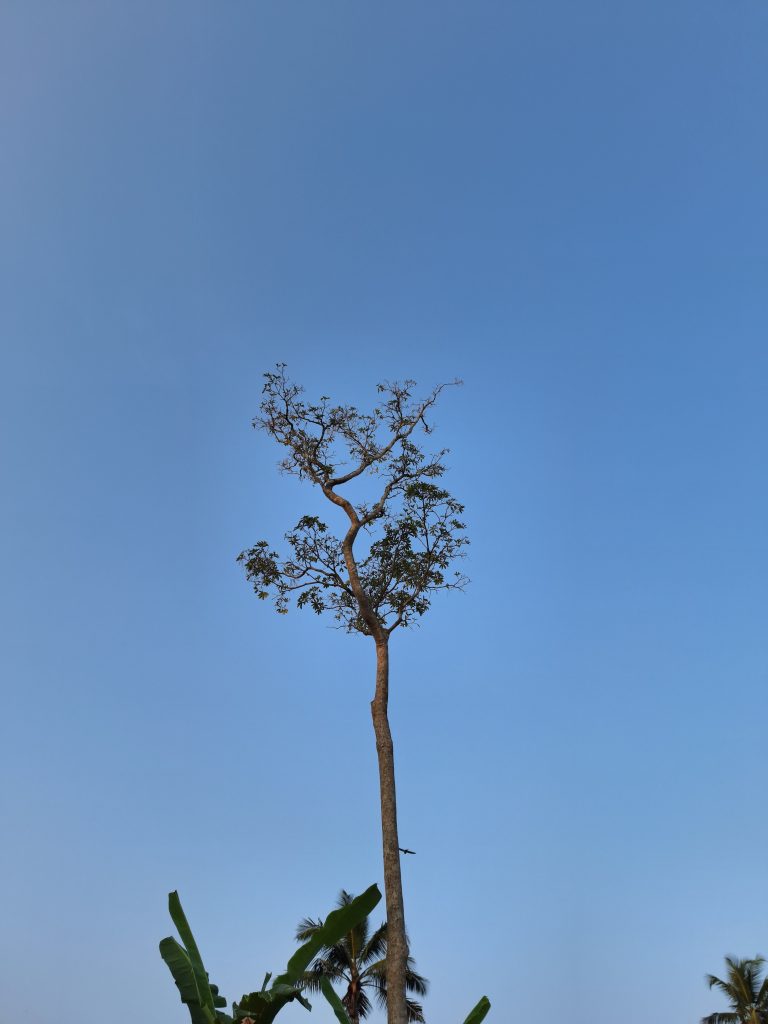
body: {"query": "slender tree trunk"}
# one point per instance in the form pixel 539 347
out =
pixel 397 945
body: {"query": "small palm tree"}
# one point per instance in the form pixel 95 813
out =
pixel 359 962
pixel 747 995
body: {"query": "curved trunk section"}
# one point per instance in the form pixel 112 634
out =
pixel 397 945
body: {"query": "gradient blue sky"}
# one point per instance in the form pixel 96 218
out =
pixel 565 204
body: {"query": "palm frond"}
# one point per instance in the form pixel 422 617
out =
pixel 338 956
pixel 415 1011
pixel 353 942
pixel 330 967
pixel 762 995
pixel 359 936
pixel 740 977
pixel 721 1018
pixel 415 982
pixel 306 928
pixel 752 971
pixel 376 946
pixel 375 977
pixel 714 982
pixel 376 971
pixel 364 1005
pixel 749 974
pixel 311 980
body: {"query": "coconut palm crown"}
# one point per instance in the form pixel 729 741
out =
pixel 746 993
pixel 359 962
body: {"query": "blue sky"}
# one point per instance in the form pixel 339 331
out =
pixel 563 204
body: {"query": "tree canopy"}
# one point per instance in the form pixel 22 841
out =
pixel 413 526
pixel 746 992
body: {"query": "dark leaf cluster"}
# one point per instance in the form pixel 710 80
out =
pixel 414 528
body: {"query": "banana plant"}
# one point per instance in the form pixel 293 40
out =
pixel 206 1006
pixel 202 998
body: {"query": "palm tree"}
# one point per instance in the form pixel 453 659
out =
pixel 359 962
pixel 747 996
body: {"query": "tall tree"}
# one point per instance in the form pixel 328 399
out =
pixel 358 962
pixel 746 993
pixel 412 533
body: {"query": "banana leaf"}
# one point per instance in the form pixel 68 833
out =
pixel 218 1001
pixel 477 1014
pixel 183 974
pixel 336 1004
pixel 185 933
pixel 262 1007
pixel 188 971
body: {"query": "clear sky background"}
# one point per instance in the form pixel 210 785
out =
pixel 564 204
